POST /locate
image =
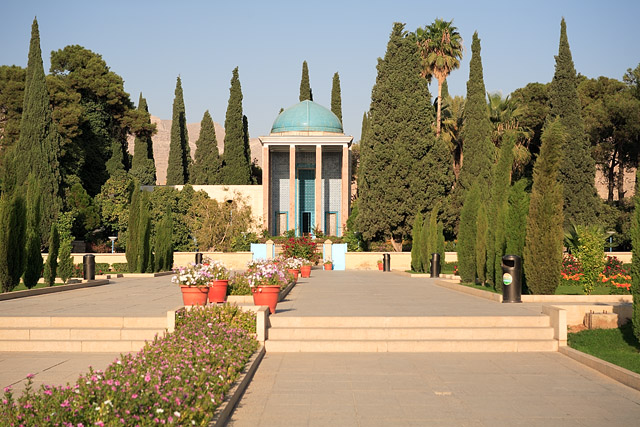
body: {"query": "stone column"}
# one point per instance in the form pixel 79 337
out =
pixel 269 244
pixel 266 188
pixel 292 187
pixel 318 198
pixel 327 250
pixel 345 179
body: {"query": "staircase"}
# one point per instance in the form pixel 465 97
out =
pixel 410 334
pixel 78 334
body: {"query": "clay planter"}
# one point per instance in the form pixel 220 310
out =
pixel 328 266
pixel 294 272
pixel 218 291
pixel 266 295
pixel 380 266
pixel 305 271
pixel 192 295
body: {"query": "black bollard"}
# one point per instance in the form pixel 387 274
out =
pixel 386 262
pixel 511 278
pixel 198 258
pixel 435 265
pixel 89 267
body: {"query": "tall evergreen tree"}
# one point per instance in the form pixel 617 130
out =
pixel 145 255
pixel 466 246
pixel 207 167
pixel 51 266
pixel 65 264
pixel 179 152
pixel 416 259
pixel 440 243
pixel 12 239
pixel 577 170
pixel 115 164
pixel 246 146
pixel 33 256
pixel 479 151
pixel 516 218
pixel 336 97
pixel 396 178
pixel 236 169
pixel 143 167
pixel 543 244
pixel 37 148
pixel 635 260
pixel 433 232
pixel 163 242
pixel 481 243
pixel 133 230
pixel 305 86
pixel 425 245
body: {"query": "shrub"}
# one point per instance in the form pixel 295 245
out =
pixel 119 267
pixel 102 267
pixel 300 247
pixel 51 266
pixel 179 379
pixel 239 285
pixel 65 265
pixel 242 242
pixel 589 254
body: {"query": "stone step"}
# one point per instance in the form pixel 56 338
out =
pixel 410 346
pixel 409 322
pixel 414 333
pixel 64 346
pixel 80 334
pixel 82 322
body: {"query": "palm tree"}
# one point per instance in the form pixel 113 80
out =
pixel 440 47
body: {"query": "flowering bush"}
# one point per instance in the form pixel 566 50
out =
pixel 266 273
pixel 239 285
pixel 193 275
pixel 614 274
pixel 216 269
pixel 327 261
pixel 300 247
pixel 179 379
pixel 291 263
pixel 571 270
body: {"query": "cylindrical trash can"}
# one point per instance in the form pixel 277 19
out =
pixel 435 265
pixel 511 278
pixel 198 258
pixel 89 267
pixel 386 262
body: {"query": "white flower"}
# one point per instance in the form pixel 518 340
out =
pixel 159 411
pixel 177 414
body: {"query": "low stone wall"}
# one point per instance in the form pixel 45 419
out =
pixel 232 260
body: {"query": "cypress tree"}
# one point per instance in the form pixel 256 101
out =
pixel 516 218
pixel 577 170
pixel 12 240
pixel 305 86
pixel 33 256
pixel 179 152
pixel 236 169
pixel 416 260
pixel 115 164
pixel 395 180
pixel 207 165
pixel 481 243
pixel 65 264
pixel 163 244
pixel 479 151
pixel 425 246
pixel 635 260
pixel 496 212
pixel 38 146
pixel 336 97
pixel 543 243
pixel 51 266
pixel 440 243
pixel 144 264
pixel 143 166
pixel 466 246
pixel 433 231
pixel 246 146
pixel 133 230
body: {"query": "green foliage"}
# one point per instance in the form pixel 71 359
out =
pixel 163 242
pixel 305 87
pixel 635 260
pixel 301 247
pixel 51 266
pixel 466 247
pixel 433 230
pixel 440 243
pixel 115 164
pixel 143 167
pixel 207 168
pixel 425 248
pixel 33 256
pixel 237 167
pixel 577 170
pixel 85 212
pixel 12 79
pixel 65 262
pixel 12 240
pixel 543 243
pixel 180 203
pixel 401 168
pixel 589 254
pixel 133 230
pixel 179 152
pixel 516 218
pixel 336 97
pixel 352 236
pixel 243 241
pixel 481 243
pixel 416 244
pixel 239 285
pixel 120 267
pixel 113 202
pixel 145 262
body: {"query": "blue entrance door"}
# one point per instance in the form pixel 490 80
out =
pixel 307 189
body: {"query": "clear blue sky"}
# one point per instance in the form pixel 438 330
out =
pixel 149 43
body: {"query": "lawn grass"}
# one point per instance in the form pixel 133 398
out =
pixel 577 290
pixel 617 346
pixel 22 287
pixel 481 287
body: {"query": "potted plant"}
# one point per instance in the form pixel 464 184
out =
pixel 219 280
pixel 380 265
pixel 193 281
pixel 328 264
pixel 305 270
pixel 266 279
pixel 292 266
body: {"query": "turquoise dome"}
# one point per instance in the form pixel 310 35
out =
pixel 307 116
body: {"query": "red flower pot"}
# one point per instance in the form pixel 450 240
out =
pixel 218 291
pixel 328 266
pixel 266 295
pixel 305 271
pixel 293 272
pixel 380 266
pixel 192 295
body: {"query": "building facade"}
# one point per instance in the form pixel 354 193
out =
pixel 306 175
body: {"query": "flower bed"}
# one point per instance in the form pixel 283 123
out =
pixel 614 279
pixel 179 379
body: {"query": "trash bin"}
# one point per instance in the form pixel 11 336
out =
pixel 198 258
pixel 386 262
pixel 89 267
pixel 435 265
pixel 511 278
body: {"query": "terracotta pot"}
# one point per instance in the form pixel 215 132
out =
pixel 266 295
pixel 218 291
pixel 380 266
pixel 294 272
pixel 305 271
pixel 328 266
pixel 192 295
